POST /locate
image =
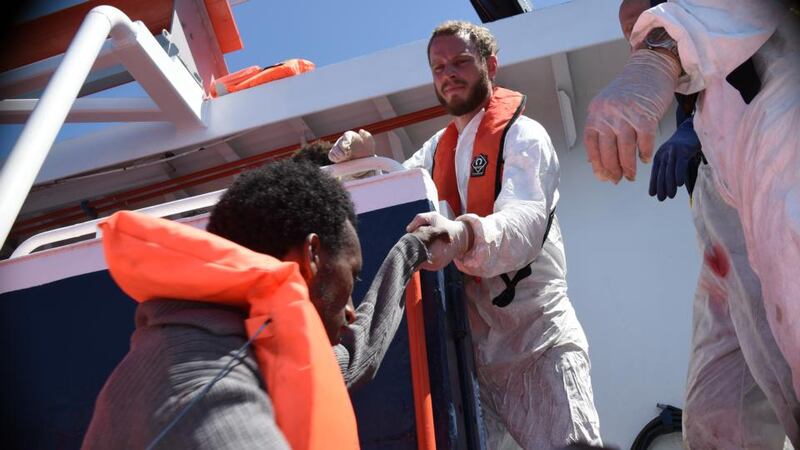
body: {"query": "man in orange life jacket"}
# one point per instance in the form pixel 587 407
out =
pixel 203 294
pixel 499 173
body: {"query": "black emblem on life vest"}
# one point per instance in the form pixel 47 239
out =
pixel 479 164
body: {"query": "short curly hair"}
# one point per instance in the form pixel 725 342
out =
pixel 481 37
pixel 316 152
pixel 272 209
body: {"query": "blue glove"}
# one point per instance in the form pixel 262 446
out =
pixel 673 160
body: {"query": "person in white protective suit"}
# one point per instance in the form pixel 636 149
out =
pixel 499 168
pixel 691 46
pixel 739 387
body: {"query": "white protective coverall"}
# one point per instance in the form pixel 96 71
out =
pixel 752 148
pixel 532 355
pixel 739 392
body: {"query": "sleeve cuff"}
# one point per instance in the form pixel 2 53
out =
pixel 470 262
pixel 670 17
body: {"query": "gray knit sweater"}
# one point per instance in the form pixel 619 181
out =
pixel 179 346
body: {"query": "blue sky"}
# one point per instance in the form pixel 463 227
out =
pixel 325 31
pixel 322 31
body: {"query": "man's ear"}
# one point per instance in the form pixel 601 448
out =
pixel 491 66
pixel 310 257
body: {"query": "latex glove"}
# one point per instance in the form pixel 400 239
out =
pixel 625 115
pixel 672 161
pixel 429 235
pixel 458 239
pixel 352 145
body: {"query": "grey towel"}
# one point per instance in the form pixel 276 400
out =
pixel 179 346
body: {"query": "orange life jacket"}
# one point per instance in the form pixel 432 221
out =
pixel 254 75
pixel 151 258
pixel 486 171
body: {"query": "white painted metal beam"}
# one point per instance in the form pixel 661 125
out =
pixel 301 127
pixel 398 139
pixel 169 84
pixel 566 93
pixel 89 110
pixel 228 153
pixel 33 77
pixel 562 74
pixel 193 34
pixel 169 173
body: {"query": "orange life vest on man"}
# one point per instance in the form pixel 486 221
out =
pixel 486 171
pixel 152 258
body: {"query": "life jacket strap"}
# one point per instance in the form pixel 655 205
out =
pixel 507 296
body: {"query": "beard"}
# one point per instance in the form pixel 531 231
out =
pixel 475 97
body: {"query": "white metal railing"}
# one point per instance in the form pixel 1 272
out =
pixel 170 86
pixel 82 229
pixel 340 170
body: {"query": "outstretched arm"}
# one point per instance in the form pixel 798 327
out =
pixel 381 311
pixel 713 38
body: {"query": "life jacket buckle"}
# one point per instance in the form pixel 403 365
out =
pixel 507 296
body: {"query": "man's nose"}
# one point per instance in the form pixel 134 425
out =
pixel 350 313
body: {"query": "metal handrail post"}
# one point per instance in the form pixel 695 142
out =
pixel 28 154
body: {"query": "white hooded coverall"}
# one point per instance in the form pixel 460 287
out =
pixel 739 389
pixel 532 355
pixel 753 149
